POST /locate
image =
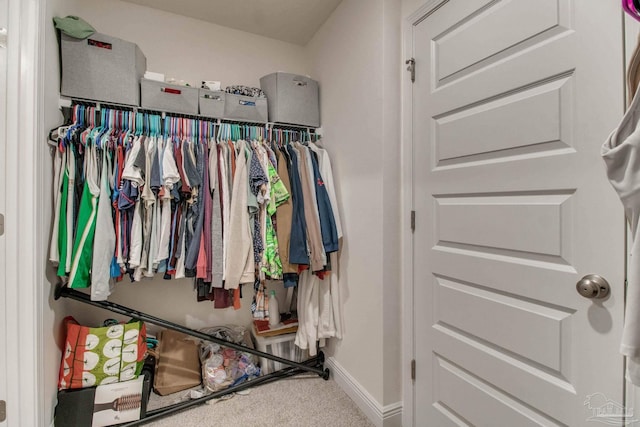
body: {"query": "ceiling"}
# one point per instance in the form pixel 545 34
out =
pixel 293 21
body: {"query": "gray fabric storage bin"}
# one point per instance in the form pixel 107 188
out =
pixel 167 97
pixel 101 68
pixel 211 103
pixel 245 108
pixel 292 99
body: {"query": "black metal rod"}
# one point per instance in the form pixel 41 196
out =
pixel 168 410
pixel 63 291
pixel 293 127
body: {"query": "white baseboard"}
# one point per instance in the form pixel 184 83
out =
pixel 381 416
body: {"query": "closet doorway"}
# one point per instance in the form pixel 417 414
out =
pixel 511 103
pixel 3 142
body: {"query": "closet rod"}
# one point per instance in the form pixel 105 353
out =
pixel 63 291
pixel 286 126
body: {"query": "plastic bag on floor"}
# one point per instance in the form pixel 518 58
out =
pixel 223 367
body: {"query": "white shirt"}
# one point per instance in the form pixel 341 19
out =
pixel 621 153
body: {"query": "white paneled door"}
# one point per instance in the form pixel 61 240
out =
pixel 511 102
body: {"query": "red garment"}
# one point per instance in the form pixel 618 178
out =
pixel 201 263
pixel 178 155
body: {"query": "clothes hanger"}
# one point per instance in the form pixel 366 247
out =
pixel 89 120
pixel 125 131
pixel 151 125
pixel 66 139
pixel 204 132
pixel 97 129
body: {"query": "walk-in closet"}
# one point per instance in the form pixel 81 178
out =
pixel 191 45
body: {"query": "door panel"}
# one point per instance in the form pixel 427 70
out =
pixel 526 123
pixel 456 48
pixel 534 331
pixel 511 103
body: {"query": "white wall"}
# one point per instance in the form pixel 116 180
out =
pixel 392 214
pixel 354 56
pixel 191 49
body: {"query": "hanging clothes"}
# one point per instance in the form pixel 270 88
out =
pixel 327 178
pixel 284 213
pixel 621 153
pixel 317 255
pixel 105 238
pixel 298 251
pixel 140 196
pixel 79 276
pixel 58 167
pixel 217 253
pixel 271 263
pixel 240 261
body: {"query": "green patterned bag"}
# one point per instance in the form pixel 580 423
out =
pixel 104 355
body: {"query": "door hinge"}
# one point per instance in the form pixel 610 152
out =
pixel 413 221
pixel 411 68
pixel 1 224
pixel 413 369
pixel 3 410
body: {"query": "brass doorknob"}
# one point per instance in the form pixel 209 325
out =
pixel 593 286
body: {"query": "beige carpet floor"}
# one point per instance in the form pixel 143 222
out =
pixel 301 401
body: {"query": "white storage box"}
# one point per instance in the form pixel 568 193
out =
pixel 211 103
pixel 245 108
pixel 167 97
pixel 292 99
pixel 101 68
pixel 281 346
